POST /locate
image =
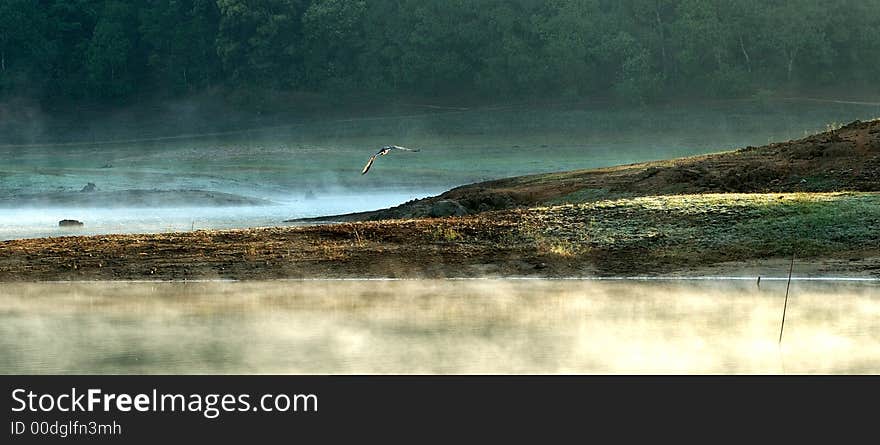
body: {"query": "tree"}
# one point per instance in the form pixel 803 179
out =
pixel 259 41
pixel 571 36
pixel 22 45
pixel 179 36
pixel 648 23
pixel 636 50
pixel 711 39
pixel 334 34
pixel 796 31
pixel 70 24
pixel 111 55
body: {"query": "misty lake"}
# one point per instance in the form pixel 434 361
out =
pixel 440 326
pixel 16 223
pixel 313 168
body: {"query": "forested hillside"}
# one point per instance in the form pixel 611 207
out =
pixel 634 50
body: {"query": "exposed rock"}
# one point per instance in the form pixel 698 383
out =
pixel 90 187
pixel 447 207
pixel 750 177
pixel 69 223
pixel 483 200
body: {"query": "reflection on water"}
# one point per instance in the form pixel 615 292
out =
pixel 427 326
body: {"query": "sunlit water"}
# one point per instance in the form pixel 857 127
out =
pixel 37 223
pixel 427 326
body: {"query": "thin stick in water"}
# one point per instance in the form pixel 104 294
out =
pixel 785 306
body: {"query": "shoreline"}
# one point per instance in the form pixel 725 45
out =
pixel 670 237
pixel 660 278
pixel 817 198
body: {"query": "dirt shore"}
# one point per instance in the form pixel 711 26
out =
pixel 721 234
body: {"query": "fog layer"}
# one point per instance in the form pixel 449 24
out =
pixel 428 326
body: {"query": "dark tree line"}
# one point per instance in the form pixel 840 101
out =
pixel 632 49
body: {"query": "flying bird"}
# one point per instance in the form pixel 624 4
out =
pixel 384 151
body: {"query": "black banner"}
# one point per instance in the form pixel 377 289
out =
pixel 172 409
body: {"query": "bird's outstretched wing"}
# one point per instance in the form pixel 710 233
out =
pixel 369 164
pixel 398 147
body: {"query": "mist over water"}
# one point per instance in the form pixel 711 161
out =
pixel 43 222
pixel 313 169
pixel 436 326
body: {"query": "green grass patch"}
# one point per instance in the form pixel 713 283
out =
pixel 715 227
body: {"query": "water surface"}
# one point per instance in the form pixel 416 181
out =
pixel 438 326
pixel 21 223
pixel 313 168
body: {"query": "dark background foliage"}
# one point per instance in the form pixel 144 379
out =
pixel 116 51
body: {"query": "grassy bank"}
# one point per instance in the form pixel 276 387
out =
pixel 671 232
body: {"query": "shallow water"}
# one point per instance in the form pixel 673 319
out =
pixel 43 222
pixel 436 326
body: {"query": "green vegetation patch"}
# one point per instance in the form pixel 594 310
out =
pixel 712 227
